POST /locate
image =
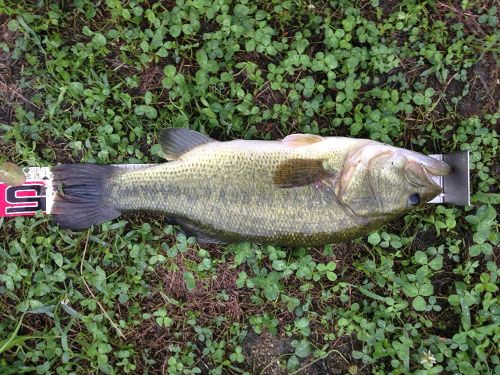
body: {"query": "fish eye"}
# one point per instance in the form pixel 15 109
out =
pixel 414 199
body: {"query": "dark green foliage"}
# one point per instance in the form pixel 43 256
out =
pixel 90 81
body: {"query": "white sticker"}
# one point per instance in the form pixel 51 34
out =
pixel 36 194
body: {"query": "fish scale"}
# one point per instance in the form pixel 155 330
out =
pixel 303 190
pixel 230 194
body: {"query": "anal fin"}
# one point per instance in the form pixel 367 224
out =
pixel 191 229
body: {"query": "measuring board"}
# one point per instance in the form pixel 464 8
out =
pixel 37 193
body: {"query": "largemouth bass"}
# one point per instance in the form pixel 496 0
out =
pixel 302 190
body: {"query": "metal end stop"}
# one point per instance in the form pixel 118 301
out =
pixel 456 185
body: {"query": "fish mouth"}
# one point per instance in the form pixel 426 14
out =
pixel 432 181
pixel 429 170
pixel 435 168
pixel 432 166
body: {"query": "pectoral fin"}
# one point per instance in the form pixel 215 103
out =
pixel 301 172
pixel 177 141
pixel 298 140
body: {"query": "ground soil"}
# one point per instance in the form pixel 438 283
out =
pixel 268 354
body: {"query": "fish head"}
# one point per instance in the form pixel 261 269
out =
pixel 381 180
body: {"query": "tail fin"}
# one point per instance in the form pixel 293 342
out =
pixel 82 202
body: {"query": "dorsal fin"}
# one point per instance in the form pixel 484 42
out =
pixel 177 141
pixel 297 140
pixel 301 172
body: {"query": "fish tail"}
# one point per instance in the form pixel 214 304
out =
pixel 82 195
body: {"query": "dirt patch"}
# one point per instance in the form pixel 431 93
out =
pixel 325 122
pixel 452 12
pixel 156 342
pixel 390 6
pixel 57 149
pixel 340 361
pixel 206 296
pixel 476 97
pixel 268 97
pixel 344 255
pixel 150 79
pixel 204 302
pixel 485 88
pixel 273 128
pixel 11 92
pixel 267 354
pixel 119 66
pixel 263 95
pixel 424 239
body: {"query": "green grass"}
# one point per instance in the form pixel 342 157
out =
pixel 91 81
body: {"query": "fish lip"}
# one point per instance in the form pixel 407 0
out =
pixel 434 166
pixel 430 168
pixel 432 182
pixel 437 169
